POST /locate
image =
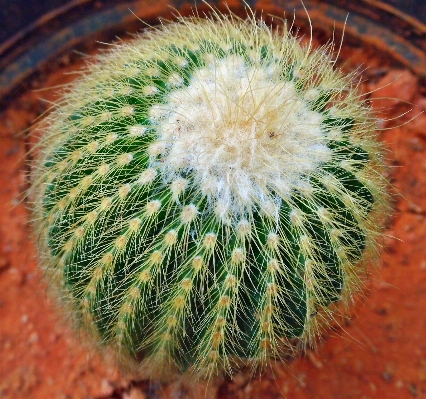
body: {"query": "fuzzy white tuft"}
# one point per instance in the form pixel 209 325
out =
pixel 237 127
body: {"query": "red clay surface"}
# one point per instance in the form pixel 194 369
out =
pixel 380 353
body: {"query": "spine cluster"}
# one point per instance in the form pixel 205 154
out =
pixel 205 193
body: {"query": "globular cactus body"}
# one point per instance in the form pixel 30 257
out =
pixel 205 193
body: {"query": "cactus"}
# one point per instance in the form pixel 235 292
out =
pixel 208 196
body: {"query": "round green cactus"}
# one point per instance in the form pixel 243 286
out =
pixel 206 193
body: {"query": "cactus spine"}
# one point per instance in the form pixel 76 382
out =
pixel 205 193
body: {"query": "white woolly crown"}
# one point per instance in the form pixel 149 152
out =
pixel 247 136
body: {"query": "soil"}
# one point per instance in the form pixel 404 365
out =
pixel 379 353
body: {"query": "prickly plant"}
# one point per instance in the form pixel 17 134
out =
pixel 207 194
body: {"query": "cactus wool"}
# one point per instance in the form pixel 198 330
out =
pixel 205 194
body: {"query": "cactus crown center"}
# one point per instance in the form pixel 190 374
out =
pixel 224 128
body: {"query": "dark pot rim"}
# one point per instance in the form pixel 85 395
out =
pixel 79 22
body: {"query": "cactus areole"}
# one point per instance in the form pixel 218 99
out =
pixel 206 194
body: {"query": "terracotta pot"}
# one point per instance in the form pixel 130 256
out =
pixel 379 354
